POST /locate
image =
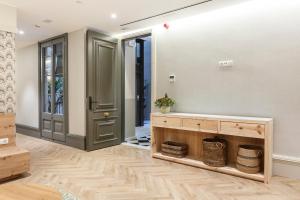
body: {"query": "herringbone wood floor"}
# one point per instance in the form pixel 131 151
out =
pixel 123 172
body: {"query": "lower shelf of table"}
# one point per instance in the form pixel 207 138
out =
pixel 197 163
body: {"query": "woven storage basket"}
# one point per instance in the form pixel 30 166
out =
pixel 249 159
pixel 174 149
pixel 215 152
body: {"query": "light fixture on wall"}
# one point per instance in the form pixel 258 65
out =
pixel 114 16
pixel 21 32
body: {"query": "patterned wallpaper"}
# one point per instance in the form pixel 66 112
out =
pixel 7 72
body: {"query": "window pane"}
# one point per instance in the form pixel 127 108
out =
pixel 59 95
pixel 47 59
pixel 48 51
pixel 48 66
pixel 58 59
pixel 47 93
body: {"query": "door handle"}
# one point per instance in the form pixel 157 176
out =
pixel 106 114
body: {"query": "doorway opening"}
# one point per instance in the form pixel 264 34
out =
pixel 137 53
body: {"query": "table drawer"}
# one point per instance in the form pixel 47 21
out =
pixel 210 126
pixel 243 129
pixel 191 124
pixel 168 122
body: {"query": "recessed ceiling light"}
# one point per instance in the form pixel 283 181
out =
pixel 47 21
pixel 21 32
pixel 113 16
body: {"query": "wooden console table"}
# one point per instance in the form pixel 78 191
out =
pixel 191 129
pixel 13 160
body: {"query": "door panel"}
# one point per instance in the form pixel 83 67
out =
pixel 58 128
pixel 104 81
pixel 105 130
pixel 47 126
pixel 103 92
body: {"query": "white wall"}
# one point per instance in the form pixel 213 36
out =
pixel 263 39
pixel 77 82
pixel 27 110
pixel 8 18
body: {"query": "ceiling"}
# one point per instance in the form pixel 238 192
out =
pixel 71 15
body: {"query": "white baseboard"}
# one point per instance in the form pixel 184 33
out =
pixel 286 166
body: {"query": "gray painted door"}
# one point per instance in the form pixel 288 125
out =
pixel 103 92
pixel 53 89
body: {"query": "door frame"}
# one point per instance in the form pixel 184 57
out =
pixel 153 72
pixel 66 92
pixel 88 53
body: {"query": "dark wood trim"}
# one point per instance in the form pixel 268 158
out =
pixel 123 90
pixel 72 140
pixel 40 87
pixel 28 130
pixel 76 141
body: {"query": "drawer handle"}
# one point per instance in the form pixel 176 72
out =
pixel 241 128
pixel 198 124
pixel 165 121
pixel 258 130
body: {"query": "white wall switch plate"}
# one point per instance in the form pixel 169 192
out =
pixel 172 78
pixel 4 141
pixel 226 64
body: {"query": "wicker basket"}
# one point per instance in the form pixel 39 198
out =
pixel 174 149
pixel 249 159
pixel 215 152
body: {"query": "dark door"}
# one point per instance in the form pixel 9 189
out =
pixel 139 78
pixel 53 89
pixel 103 92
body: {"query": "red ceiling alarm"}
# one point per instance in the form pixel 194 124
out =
pixel 166 26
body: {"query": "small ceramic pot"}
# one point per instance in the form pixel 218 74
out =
pixel 165 109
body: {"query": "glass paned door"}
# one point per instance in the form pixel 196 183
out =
pixel 59 80
pixel 47 79
pixel 53 89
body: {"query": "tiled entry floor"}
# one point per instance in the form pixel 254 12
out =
pixel 142 135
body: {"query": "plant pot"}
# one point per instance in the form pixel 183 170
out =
pixel 165 109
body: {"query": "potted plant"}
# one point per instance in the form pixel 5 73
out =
pixel 165 104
